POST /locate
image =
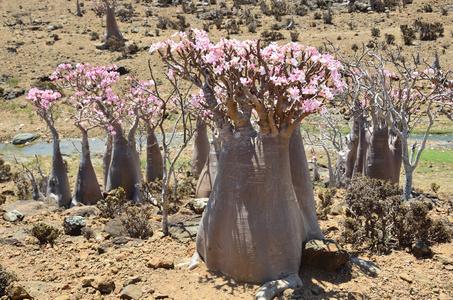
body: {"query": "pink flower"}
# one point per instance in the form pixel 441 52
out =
pixel 294 93
pixel 311 105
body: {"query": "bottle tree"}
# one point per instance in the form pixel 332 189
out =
pixel 254 224
pixel 45 102
pixel 144 103
pixel 113 38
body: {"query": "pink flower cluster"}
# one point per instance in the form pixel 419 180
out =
pixel 92 92
pixel 43 99
pixel 143 101
pixel 293 77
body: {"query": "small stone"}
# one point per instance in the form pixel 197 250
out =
pixel 317 290
pixel 131 291
pixel 421 250
pixel 448 267
pixel 87 282
pixel 104 285
pixel 406 278
pixel 156 263
pixel 198 205
pixel 324 254
pixel 23 138
pixel 102 249
pixel 13 216
pixel 132 280
pixel 17 292
pixel 73 225
pixel 135 30
pixel 160 296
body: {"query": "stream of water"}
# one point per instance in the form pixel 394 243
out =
pixel 97 146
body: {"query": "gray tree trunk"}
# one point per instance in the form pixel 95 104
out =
pixel 154 161
pixel 87 190
pixel 58 180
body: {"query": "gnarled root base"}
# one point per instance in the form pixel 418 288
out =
pixel 275 287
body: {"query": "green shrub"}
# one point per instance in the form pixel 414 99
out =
pixel 6 278
pixel 113 204
pixel 377 219
pixel 136 221
pixel 46 234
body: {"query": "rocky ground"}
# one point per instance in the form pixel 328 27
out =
pixel 110 265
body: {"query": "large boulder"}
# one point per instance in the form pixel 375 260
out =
pixel 324 254
pixel 23 138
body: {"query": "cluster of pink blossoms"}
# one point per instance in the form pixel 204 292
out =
pixel 43 99
pixel 143 101
pixel 294 77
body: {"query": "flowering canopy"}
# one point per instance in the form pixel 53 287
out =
pixel 93 95
pixel 43 100
pixel 281 84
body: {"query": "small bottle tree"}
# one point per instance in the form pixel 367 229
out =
pixel 45 102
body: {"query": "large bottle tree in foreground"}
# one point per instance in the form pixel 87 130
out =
pixel 254 225
pixel 45 102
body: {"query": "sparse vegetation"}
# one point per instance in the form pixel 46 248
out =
pixel 6 278
pixel 136 221
pixel 46 234
pixel 379 220
pixel 113 204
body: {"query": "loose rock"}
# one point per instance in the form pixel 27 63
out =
pixel 73 225
pixel 131 291
pixel 324 254
pixel 13 216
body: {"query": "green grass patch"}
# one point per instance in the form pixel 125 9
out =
pixel 438 156
pixel 13 82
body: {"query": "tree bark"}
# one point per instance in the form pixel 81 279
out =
pixel 154 161
pixel 408 178
pixel 58 180
pixel 379 159
pixel 112 30
pixel 123 170
pixel 303 186
pixel 353 145
pixel 87 190
pixel 252 229
pixel 359 164
pixel 107 158
pixel 208 174
pixel 397 156
pixel 201 147
pixel 78 9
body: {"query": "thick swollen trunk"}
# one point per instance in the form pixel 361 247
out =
pixel 359 164
pixel 200 148
pixel 123 170
pixel 379 158
pixel 252 228
pixel 107 158
pixel 208 174
pixel 87 190
pixel 58 185
pixel 303 186
pixel 154 161
pixel 113 34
